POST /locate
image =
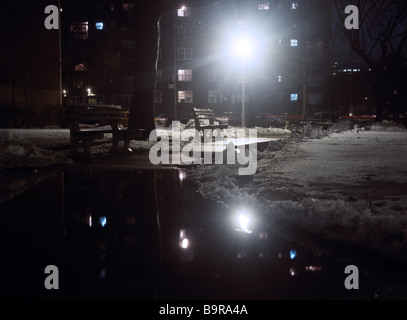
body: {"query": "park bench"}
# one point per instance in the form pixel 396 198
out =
pixel 88 123
pixel 206 119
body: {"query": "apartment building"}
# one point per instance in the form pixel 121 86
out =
pixel 195 65
pixel 286 72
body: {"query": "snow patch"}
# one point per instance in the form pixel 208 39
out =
pixel 348 186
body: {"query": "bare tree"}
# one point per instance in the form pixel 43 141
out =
pixel 380 40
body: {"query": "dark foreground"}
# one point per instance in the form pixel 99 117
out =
pixel 148 235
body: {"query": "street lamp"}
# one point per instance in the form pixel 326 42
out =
pixel 242 48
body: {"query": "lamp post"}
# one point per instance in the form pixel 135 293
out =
pixel 243 97
pixel 243 50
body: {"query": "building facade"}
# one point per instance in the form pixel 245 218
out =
pixel 286 72
pixel 195 65
pixel 30 74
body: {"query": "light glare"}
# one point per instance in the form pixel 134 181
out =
pixel 243 47
pixel 244 222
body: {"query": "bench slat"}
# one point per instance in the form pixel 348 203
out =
pixel 82 138
pixel 205 119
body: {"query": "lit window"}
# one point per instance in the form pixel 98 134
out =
pixel 212 96
pixel 264 6
pixel 185 96
pixel 185 75
pixel 81 67
pixel 184 53
pixel 294 5
pixel 99 25
pixel 294 97
pixel 294 42
pixel 181 12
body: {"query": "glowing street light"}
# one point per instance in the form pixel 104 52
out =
pixel 243 48
pixel 244 221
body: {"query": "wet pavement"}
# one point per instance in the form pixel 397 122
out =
pixel 120 233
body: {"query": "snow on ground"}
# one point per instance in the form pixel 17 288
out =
pixel 345 186
pixel 31 148
pixel 22 148
pixel 28 156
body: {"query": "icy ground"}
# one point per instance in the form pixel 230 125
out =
pixel 347 186
pixel 28 156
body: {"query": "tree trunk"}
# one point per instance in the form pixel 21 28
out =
pixel 380 89
pixel 145 30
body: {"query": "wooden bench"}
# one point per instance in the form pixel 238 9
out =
pixel 102 119
pixel 205 119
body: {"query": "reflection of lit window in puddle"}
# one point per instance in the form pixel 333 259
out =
pixel 102 274
pixel 313 268
pixel 185 245
pixel 182 175
pixel 183 241
pixel 102 221
pixel 244 221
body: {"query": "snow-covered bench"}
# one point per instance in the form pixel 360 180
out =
pixel 205 119
pixel 102 119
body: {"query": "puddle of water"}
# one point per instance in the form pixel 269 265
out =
pixel 147 234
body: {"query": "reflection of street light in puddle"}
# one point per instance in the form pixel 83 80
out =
pixel 244 221
pixel 242 49
pixel 182 175
pixel 184 242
